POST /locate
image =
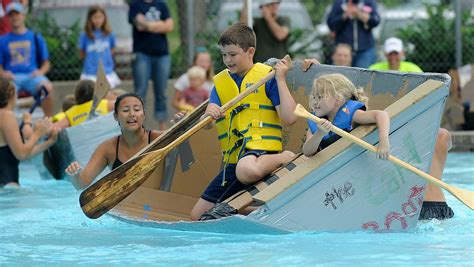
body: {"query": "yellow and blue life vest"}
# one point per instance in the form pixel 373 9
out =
pixel 342 120
pixel 253 123
pixel 79 113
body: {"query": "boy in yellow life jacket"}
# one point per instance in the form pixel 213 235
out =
pixel 250 132
pixel 83 93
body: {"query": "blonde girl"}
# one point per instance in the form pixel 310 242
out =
pixel 338 102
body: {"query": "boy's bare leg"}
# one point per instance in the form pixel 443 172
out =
pixel 251 168
pixel 434 193
pixel 201 207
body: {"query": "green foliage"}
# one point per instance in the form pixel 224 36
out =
pixel 434 40
pixel 62 47
pixel 301 43
pixel 316 9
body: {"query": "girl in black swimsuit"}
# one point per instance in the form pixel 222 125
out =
pixel 130 115
pixel 12 149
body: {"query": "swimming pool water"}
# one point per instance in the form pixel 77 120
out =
pixel 42 224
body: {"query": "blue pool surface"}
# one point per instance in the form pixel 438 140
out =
pixel 42 224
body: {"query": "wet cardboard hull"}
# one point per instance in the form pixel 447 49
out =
pixel 342 188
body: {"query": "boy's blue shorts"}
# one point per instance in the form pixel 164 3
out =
pixel 26 82
pixel 215 192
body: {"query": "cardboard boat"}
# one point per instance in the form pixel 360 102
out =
pixel 342 188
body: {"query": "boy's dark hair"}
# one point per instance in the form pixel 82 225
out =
pixel 238 34
pixel 84 91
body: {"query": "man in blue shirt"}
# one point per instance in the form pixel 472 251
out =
pixel 24 57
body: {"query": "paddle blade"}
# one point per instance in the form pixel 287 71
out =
pixel 106 193
pixel 101 88
pixel 465 196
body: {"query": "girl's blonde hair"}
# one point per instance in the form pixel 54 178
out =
pixel 338 86
pixel 89 27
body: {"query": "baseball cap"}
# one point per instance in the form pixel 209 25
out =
pixel 393 44
pixel 267 2
pixel 15 6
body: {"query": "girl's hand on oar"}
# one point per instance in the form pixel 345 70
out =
pixel 325 126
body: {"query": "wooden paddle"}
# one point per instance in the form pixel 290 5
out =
pixel 101 88
pixel 117 185
pixel 465 196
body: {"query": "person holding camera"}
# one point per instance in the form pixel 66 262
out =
pixel 352 21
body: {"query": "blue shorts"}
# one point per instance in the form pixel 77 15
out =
pixel 25 82
pixel 216 192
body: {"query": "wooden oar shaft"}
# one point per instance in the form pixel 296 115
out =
pixel 466 197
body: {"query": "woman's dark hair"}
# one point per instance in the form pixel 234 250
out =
pixel 7 91
pixel 120 98
pixel 84 91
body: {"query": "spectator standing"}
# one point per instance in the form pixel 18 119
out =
pixel 271 31
pixel 97 42
pixel 151 22
pixel 352 22
pixel 196 93
pixel 24 57
pixel 393 48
